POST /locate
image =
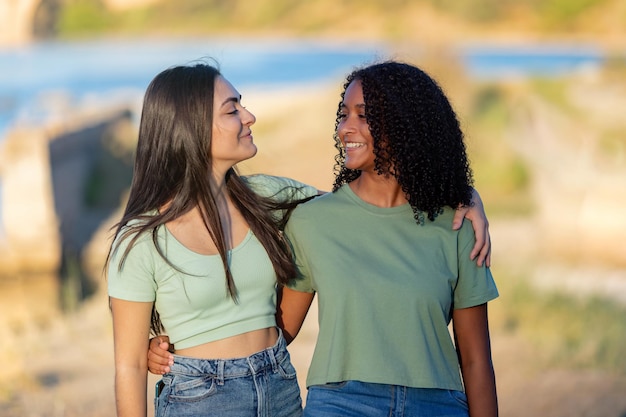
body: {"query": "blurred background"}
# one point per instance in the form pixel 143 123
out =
pixel 539 86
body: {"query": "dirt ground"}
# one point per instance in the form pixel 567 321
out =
pixel 69 372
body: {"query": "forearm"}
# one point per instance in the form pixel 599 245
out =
pixel 131 392
pixel 471 331
pixel 480 387
pixel 131 330
pixel 292 309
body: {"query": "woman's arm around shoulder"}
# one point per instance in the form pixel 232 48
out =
pixel 481 252
pixel 471 334
pixel 281 187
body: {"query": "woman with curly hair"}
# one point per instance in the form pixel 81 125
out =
pixel 389 272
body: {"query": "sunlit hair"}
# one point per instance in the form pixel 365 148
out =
pixel 417 137
pixel 173 166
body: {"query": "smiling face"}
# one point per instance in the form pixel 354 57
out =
pixel 353 130
pixel 232 140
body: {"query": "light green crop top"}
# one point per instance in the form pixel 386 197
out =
pixel 194 306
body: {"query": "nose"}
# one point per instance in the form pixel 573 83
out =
pixel 345 126
pixel 248 118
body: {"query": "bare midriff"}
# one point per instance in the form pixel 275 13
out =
pixel 239 346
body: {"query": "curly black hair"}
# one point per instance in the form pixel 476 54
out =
pixel 417 137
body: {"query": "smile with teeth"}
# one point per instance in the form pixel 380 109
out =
pixel 353 145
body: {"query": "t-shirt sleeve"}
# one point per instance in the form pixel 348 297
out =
pixel 134 279
pixel 301 282
pixel 475 284
pixel 279 188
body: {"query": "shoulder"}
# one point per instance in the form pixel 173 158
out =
pixel 142 243
pixel 444 218
pixel 463 236
pixel 316 210
pixel 443 221
pixel 270 181
pixel 321 201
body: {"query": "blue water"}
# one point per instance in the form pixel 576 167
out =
pixel 546 60
pixel 81 69
pixel 100 67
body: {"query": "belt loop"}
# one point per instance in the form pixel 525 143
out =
pixel 220 372
pixel 272 357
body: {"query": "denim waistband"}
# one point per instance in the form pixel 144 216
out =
pixel 221 369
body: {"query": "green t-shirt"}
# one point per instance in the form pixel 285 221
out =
pixel 194 305
pixel 386 288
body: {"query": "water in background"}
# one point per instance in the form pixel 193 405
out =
pixel 31 76
pixel 546 60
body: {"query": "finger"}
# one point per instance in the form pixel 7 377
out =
pixel 158 370
pixel 157 364
pixel 161 354
pixel 161 349
pixel 459 215
pixel 484 257
pixel 158 359
pixel 479 245
pixel 155 341
pixel 488 257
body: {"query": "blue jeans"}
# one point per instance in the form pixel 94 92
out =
pixel 362 399
pixel 262 385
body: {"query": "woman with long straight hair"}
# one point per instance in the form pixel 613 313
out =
pixel 198 254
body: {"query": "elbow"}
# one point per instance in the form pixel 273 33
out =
pixel 288 334
pixel 288 338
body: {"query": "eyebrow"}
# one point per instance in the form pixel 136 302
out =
pixel 358 106
pixel 231 100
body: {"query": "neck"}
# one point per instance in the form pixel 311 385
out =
pixel 378 190
pixel 220 195
pixel 218 183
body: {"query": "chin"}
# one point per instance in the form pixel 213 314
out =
pixel 349 165
pixel 252 153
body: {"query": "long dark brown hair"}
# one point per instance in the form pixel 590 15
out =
pixel 172 169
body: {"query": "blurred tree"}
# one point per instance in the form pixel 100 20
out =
pixel 84 17
pixel 45 22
